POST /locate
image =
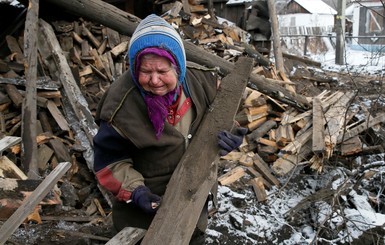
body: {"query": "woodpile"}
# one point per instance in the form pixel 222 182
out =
pixel 77 62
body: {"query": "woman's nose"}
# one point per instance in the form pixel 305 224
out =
pixel 154 79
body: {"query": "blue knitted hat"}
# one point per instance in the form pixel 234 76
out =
pixel 153 31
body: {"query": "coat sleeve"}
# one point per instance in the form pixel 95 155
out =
pixel 112 163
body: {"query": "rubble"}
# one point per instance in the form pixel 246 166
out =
pixel 289 125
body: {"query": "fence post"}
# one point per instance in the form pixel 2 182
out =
pixel 306 42
pixel 340 32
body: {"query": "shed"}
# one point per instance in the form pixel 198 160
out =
pixel 300 20
pixel 368 25
pixel 306 17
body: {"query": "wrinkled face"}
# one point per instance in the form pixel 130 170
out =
pixel 157 75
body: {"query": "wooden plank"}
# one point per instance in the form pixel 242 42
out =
pixel 8 141
pixel 361 127
pixel 29 124
pixel 8 169
pixel 127 236
pixel 28 206
pixel 318 127
pixel 335 119
pixel 57 115
pixel 195 175
pixel 83 123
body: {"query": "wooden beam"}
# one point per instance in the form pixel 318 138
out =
pixel 85 126
pixel 127 236
pixel 29 112
pixel 28 206
pixel 196 173
pixel 318 146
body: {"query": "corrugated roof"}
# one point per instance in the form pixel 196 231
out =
pixel 316 7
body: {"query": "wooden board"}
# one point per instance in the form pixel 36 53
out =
pixel 196 173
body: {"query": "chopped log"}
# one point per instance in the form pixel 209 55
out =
pixel 253 99
pixel 256 123
pixel 15 49
pixel 113 38
pixel 119 49
pixel 318 127
pixel 14 94
pixel 259 189
pixel 232 176
pixel 195 175
pixel 233 156
pixel 261 131
pixel 87 70
pixel 90 36
pixel 268 143
pixel 61 151
pixel 264 169
pixel 44 154
pixel 263 109
pixel 27 207
pixel 247 159
pixel 284 134
pixel 286 163
pixel 98 62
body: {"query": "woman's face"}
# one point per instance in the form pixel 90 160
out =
pixel 157 75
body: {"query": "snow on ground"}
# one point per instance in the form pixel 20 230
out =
pixel 372 63
pixel 240 219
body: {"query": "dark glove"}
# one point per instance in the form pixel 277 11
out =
pixel 229 142
pixel 143 198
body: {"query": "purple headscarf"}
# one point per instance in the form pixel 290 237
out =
pixel 157 106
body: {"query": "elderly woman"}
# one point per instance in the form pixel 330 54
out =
pixel 147 118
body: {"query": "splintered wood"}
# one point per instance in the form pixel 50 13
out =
pixel 286 138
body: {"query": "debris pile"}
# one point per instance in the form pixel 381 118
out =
pixel 79 59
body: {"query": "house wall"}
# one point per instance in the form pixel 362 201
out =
pixel 302 25
pixel 365 25
pixel 306 24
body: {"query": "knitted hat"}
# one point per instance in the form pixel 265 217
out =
pixel 153 31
